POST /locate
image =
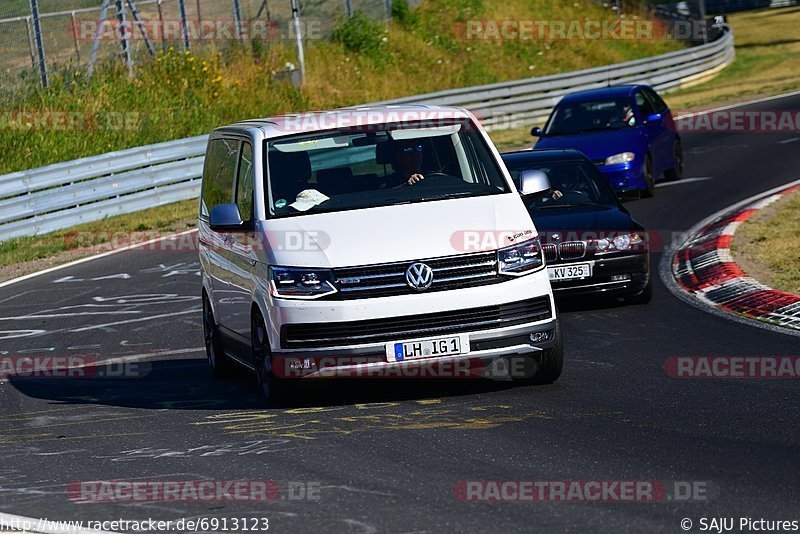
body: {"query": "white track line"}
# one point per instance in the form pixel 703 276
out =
pixel 43 526
pixel 95 257
pixel 685 181
pixel 742 104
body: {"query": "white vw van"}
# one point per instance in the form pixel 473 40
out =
pixel 367 242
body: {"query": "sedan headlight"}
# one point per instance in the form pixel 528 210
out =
pixel 624 157
pixel 299 283
pixel 520 259
pixel 621 242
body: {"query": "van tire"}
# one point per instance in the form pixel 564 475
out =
pixel 221 366
pixel 273 389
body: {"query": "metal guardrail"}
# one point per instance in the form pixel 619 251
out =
pixel 38 201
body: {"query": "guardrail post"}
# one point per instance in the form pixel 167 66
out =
pixel 37 34
pixel 348 8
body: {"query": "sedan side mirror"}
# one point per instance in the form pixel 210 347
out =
pixel 226 218
pixel 629 194
pixel 655 117
pixel 536 131
pixel 533 183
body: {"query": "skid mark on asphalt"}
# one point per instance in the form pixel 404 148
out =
pixel 319 422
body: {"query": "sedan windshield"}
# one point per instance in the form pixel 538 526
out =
pixel 571 183
pixel 345 170
pixel 580 117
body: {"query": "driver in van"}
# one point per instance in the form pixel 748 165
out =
pixel 407 163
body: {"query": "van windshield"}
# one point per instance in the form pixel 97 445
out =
pixel 346 170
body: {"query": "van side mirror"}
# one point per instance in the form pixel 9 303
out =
pixel 536 131
pixel 533 183
pixel 226 218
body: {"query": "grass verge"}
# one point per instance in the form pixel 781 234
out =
pixel 211 90
pixel 767 246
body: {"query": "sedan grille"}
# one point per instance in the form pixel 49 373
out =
pixel 571 250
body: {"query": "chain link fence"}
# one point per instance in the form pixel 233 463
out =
pixel 78 33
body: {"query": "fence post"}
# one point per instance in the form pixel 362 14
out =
pixel 237 19
pixel 298 36
pixel 387 6
pixel 31 46
pixel 37 35
pixel 75 36
pixel 161 25
pixel 184 26
pixel 97 34
pixel 123 35
pixel 348 8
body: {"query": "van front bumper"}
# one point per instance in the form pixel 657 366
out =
pixel 526 341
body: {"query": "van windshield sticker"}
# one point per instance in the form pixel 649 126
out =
pixel 281 202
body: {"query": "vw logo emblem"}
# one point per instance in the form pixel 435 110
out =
pixel 419 276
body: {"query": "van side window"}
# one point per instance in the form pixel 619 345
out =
pixel 219 173
pixel 244 183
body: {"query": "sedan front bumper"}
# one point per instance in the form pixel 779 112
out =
pixel 636 266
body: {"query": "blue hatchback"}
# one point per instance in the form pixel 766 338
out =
pixel 627 131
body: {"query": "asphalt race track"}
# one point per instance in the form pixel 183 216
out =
pixel 388 456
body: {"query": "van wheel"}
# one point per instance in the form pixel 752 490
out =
pixel 220 365
pixel 551 363
pixel 272 388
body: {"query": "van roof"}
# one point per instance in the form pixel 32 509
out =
pixel 342 118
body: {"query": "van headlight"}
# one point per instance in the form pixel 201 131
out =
pixel 523 258
pixel 624 157
pixel 299 283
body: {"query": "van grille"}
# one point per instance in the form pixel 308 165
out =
pixel 453 272
pixel 300 336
